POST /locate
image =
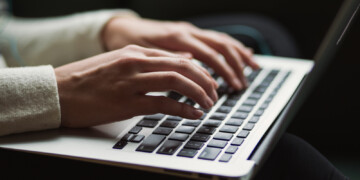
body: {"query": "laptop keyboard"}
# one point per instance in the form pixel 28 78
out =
pixel 219 131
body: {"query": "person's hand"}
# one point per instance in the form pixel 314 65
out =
pixel 204 45
pixel 115 85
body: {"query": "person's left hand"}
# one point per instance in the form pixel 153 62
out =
pixel 183 37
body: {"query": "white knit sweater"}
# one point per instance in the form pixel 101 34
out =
pixel 29 99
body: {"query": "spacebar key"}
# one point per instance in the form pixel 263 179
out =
pixel 151 143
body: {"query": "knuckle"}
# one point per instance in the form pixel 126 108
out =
pixel 211 54
pixel 172 77
pixel 132 47
pixel 185 24
pixel 130 64
pixel 175 33
pixel 184 64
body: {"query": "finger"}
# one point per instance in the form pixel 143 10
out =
pixel 206 72
pixel 171 81
pixel 247 53
pixel 156 52
pixel 161 104
pixel 184 67
pixel 210 57
pixel 226 48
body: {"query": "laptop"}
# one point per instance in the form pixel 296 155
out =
pixel 231 141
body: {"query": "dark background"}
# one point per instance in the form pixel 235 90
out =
pixel 328 120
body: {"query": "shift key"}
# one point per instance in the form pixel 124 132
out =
pixel 151 143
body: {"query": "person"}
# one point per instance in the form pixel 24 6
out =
pixel 37 97
pixel 103 64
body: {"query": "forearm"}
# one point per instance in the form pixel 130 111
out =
pixel 55 41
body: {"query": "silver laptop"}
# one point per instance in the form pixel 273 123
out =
pixel 230 141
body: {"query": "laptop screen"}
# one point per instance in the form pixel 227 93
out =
pixel 336 32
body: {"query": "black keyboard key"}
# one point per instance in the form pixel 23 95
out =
pixel 135 130
pixel 190 102
pixel 234 122
pixel 230 103
pixel 127 137
pixel 264 106
pixel 212 123
pixel 174 95
pixel 169 147
pixel 155 116
pixel 179 137
pixel 174 118
pixel 194 123
pixel 243 134
pixel 269 99
pixel 209 153
pixel 255 96
pixel 240 115
pixel 250 102
pixel 229 129
pixel 217 143
pixel 123 141
pixel 249 126
pixel 206 130
pixel 200 137
pixel 224 109
pixel 274 72
pixel 231 149
pixel 223 136
pixel 147 123
pixel 194 145
pixel 151 143
pixel 185 129
pixel 163 130
pixel 223 89
pixel 187 153
pixel 254 119
pixel 218 116
pixel 120 144
pixel 259 112
pixel 237 141
pixel 137 138
pixel 260 89
pixel 245 108
pixel 169 124
pixel 225 158
pixel 251 77
pixel 236 95
pixel 265 83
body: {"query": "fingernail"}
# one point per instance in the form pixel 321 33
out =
pixel 245 83
pixel 209 103
pixel 215 95
pixel 197 113
pixel 216 84
pixel 237 83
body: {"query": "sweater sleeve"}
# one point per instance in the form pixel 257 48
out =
pixel 29 99
pixel 56 41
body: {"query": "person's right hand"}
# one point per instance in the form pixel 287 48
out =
pixel 114 86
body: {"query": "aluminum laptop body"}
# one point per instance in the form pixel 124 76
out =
pixel 237 156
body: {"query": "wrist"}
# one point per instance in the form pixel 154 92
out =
pixel 113 32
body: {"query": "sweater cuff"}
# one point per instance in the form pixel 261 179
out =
pixel 93 24
pixel 29 100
